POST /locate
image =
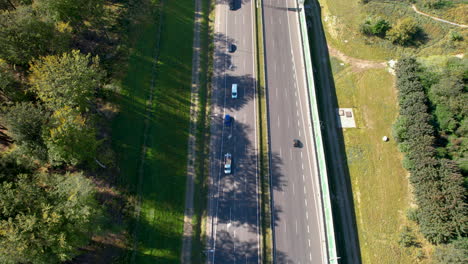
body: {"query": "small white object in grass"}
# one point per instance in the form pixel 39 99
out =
pixel 342 64
pixel 346 41
pixel 100 164
pixel 385 138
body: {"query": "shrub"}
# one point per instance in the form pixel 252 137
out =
pixel 375 28
pixel 366 28
pixel 456 36
pixel 412 215
pixel 454 253
pixel 435 4
pixel 380 27
pixel 407 239
pixel 404 32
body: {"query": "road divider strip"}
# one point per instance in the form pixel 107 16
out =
pixel 327 209
pixel 266 217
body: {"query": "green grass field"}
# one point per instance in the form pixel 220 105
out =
pixel 160 225
pixel 381 190
pixel 453 10
pixel 380 184
pixel 342 19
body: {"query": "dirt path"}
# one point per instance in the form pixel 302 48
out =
pixel 357 64
pixel 186 253
pixel 436 18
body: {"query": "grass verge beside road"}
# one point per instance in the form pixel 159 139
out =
pixel 203 133
pixel 160 224
pixel 381 191
pixel 380 184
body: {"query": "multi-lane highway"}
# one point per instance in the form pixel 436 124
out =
pixel 298 222
pixel 234 211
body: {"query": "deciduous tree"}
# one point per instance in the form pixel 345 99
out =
pixel 69 10
pixel 25 122
pixel 404 32
pixel 67 80
pixel 24 36
pixel 70 138
pixel 45 218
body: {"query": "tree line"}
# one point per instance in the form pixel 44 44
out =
pixel 51 82
pixel 436 177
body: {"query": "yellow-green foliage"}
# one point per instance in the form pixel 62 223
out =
pixel 70 139
pixel 70 79
pixel 45 218
pixel 404 31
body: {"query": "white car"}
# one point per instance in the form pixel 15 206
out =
pixel 227 163
pixel 234 91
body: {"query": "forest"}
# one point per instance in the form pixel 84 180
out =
pixel 58 63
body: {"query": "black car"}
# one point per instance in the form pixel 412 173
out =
pixel 297 143
pixel 231 48
pixel 232 4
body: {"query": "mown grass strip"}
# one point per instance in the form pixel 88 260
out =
pixel 267 232
pixel 160 224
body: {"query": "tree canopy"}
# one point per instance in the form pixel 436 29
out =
pixel 455 253
pixel 25 122
pixel 24 35
pixel 70 138
pixel 67 80
pixel 438 183
pixel 404 31
pixel 69 10
pixel 45 218
pixel 7 82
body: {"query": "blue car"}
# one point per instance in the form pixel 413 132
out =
pixel 228 120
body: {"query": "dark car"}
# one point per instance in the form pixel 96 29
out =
pixel 231 48
pixel 228 120
pixel 232 4
pixel 297 143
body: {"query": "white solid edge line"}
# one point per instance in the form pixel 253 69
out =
pixel 300 103
pixel 221 152
pixel 252 10
pixel 317 185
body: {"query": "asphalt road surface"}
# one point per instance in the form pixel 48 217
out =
pixel 234 210
pixel 298 219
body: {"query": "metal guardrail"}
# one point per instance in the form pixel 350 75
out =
pixel 327 210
